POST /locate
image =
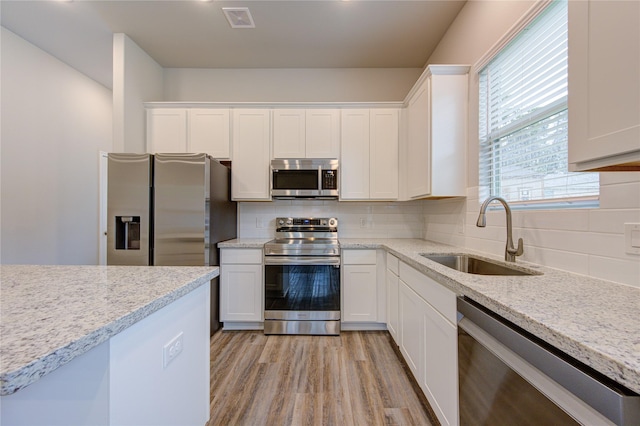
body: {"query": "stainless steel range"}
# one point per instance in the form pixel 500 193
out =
pixel 302 277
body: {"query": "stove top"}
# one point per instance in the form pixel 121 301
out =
pixel 304 237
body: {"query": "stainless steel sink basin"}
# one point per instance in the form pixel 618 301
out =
pixel 475 265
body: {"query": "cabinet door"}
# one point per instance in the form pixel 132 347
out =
pixel 418 150
pixel 354 160
pixel 392 304
pixel 241 293
pixel 412 330
pixel 383 163
pixel 604 87
pixel 250 178
pixel 360 293
pixel 289 133
pixel 323 133
pixel 209 132
pixel 441 366
pixel 166 130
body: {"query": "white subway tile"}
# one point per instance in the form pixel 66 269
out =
pixel 612 221
pixel 620 196
pixel 567 261
pixel 617 270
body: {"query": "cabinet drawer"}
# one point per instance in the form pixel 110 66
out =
pixel 441 298
pixel 358 257
pixel 393 264
pixel 241 256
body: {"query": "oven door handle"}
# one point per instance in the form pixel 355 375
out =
pixel 302 260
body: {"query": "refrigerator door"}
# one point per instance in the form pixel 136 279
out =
pixel 128 209
pixel 181 188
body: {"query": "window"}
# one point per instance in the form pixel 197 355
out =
pixel 523 117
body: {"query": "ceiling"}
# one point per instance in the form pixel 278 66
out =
pixel 195 33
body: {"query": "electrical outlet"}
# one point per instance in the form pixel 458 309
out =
pixel 172 349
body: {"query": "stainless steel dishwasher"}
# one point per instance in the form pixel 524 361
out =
pixel 509 377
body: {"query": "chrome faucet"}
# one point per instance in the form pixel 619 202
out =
pixel 510 252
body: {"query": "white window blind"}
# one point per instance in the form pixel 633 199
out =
pixel 523 117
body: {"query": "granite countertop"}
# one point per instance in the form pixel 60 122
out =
pixel 244 243
pixel 52 314
pixel 593 320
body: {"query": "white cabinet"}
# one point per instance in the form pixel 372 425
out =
pixel 250 178
pixel 310 133
pixel 289 132
pixel 209 132
pixel 241 285
pixel 167 130
pixel 359 286
pixel 604 85
pixel 428 339
pixel 354 155
pixel 392 289
pixel 436 134
pixel 369 154
pixel 205 130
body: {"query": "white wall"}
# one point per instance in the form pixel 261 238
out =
pixel 585 241
pixel 55 121
pixel 289 85
pixel 137 78
pixel 356 219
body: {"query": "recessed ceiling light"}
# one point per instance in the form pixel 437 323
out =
pixel 239 17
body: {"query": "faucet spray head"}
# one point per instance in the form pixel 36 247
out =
pixel 482 220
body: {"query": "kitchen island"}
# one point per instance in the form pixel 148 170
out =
pixel 104 344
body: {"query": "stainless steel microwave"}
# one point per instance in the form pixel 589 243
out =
pixel 304 178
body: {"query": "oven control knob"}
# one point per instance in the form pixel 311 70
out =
pixel 332 222
pixel 281 222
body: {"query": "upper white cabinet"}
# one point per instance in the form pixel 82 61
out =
pixel 306 133
pixel 436 134
pixel 167 130
pixel 189 130
pixel 250 178
pixel 604 85
pixel 209 132
pixel 369 154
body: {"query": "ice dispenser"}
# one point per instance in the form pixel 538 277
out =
pixel 127 232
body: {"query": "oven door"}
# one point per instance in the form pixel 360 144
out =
pixel 302 288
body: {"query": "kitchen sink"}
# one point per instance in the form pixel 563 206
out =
pixel 475 265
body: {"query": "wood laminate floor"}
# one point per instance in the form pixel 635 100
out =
pixel 351 379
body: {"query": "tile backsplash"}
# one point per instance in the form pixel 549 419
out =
pixel 356 219
pixel 584 241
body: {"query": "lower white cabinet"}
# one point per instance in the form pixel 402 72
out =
pixel 428 339
pixel 359 286
pixel 392 289
pixel 241 285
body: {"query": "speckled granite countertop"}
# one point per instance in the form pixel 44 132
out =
pixel 244 243
pixel 595 321
pixel 52 314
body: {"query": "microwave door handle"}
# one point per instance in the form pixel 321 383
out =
pixel 320 179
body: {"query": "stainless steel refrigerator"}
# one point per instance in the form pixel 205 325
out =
pixel 169 209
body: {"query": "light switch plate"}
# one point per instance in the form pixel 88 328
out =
pixel 632 238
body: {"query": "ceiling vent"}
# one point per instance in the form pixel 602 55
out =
pixel 239 17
